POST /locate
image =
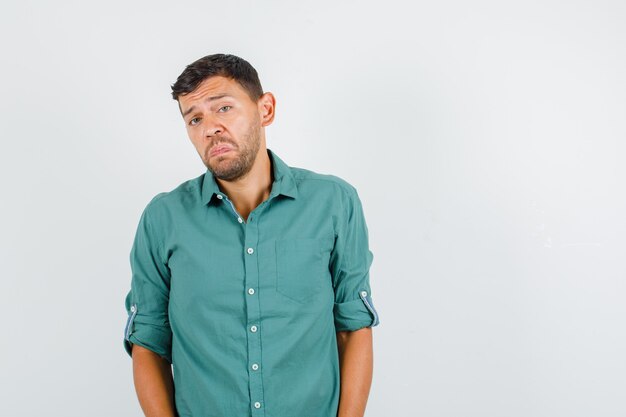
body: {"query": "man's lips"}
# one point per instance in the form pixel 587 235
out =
pixel 220 149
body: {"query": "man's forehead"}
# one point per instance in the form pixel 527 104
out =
pixel 213 86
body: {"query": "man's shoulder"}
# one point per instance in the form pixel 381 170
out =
pixel 309 178
pixel 187 191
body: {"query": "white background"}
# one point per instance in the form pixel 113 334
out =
pixel 486 140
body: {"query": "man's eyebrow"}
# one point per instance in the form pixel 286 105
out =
pixel 192 108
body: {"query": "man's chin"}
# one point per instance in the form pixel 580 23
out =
pixel 222 172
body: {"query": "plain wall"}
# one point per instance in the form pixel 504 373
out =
pixel 485 139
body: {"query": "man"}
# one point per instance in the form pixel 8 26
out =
pixel 251 281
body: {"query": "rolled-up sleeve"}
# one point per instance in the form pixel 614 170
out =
pixel 147 301
pixel 350 263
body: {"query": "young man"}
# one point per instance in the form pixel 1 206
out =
pixel 251 280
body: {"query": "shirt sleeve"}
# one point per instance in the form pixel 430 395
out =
pixel 147 301
pixel 350 262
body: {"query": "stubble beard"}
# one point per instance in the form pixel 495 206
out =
pixel 228 169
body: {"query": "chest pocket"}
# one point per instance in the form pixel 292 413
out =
pixel 301 267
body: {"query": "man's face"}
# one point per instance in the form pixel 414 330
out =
pixel 224 125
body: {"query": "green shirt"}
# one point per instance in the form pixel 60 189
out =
pixel 246 311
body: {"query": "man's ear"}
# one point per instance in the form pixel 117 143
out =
pixel 267 107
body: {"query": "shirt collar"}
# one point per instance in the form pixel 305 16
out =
pixel 284 182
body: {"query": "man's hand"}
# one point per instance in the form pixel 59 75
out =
pixel 356 361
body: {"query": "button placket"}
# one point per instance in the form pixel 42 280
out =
pixel 232 206
pixel 253 308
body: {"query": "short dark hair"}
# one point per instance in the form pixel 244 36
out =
pixel 224 65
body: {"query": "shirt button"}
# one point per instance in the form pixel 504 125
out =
pixel 257 405
pixel 219 196
pixel 364 293
pixel 253 329
pixel 250 291
pixel 250 251
pixel 240 220
pixel 132 309
pixel 255 366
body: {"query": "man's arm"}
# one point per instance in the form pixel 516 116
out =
pixel 153 383
pixel 356 368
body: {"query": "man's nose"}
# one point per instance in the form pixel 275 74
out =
pixel 212 128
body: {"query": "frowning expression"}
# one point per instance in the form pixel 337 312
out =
pixel 225 126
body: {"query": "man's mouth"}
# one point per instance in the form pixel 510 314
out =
pixel 220 149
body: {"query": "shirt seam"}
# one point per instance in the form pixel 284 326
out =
pixel 344 186
pixel 344 224
pixel 155 238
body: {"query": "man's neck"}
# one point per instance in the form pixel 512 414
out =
pixel 248 192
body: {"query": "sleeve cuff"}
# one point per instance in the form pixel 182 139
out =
pixel 356 314
pixel 157 347
pixel 150 336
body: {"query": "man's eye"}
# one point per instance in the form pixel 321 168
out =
pixel 229 107
pixel 193 121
